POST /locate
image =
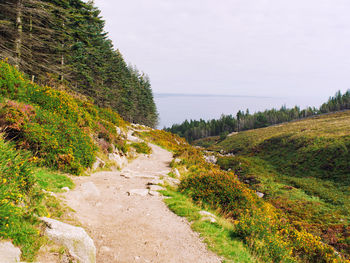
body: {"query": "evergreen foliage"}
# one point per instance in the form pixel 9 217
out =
pixel 65 40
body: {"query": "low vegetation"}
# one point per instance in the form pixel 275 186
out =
pixel 265 229
pixel 141 147
pixel 44 130
pixel 22 200
pixel 218 235
pixel 302 168
pixel 62 130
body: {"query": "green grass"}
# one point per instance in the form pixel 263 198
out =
pixel 141 147
pixel 303 169
pixel 218 236
pixel 51 180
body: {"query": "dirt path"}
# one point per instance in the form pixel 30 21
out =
pixel 135 228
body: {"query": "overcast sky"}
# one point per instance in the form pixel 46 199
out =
pixel 238 47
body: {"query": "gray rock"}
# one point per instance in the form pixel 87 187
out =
pixel 155 188
pixel 261 195
pixel 172 181
pixel 177 173
pixel 89 189
pixel 155 182
pixel 120 161
pixel 75 239
pixel 154 193
pixel 140 192
pixel 9 253
pixel 210 159
pixel 98 163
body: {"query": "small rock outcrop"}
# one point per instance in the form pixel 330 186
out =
pixel 98 163
pixel 210 159
pixel 140 192
pixel 120 161
pixel 9 253
pixel 75 239
pixel 155 188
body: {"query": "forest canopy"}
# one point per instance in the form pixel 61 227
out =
pixel 65 42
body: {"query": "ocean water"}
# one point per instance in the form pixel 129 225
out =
pixel 176 108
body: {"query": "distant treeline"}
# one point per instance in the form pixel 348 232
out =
pixel 64 41
pixel 193 130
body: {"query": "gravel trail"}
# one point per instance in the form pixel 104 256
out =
pixel 129 225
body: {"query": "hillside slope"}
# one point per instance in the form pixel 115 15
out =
pixel 46 127
pixel 302 167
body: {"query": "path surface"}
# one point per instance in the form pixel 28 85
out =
pixel 133 228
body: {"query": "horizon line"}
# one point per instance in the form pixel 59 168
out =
pixel 210 95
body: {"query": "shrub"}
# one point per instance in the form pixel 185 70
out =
pixel 142 147
pixel 19 200
pixel 58 127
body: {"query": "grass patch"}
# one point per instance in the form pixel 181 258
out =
pixel 141 147
pixel 52 181
pixel 218 236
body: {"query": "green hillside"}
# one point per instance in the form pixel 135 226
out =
pixel 302 167
pixel 43 131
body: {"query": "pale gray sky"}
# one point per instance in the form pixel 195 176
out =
pixel 239 47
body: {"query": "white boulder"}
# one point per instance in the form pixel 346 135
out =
pixel 75 239
pixel 9 253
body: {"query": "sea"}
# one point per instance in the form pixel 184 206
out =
pixel 176 108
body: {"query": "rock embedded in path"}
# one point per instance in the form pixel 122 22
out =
pixel 89 189
pixel 75 239
pixel 155 188
pixel 140 192
pixel 9 253
pixel 155 182
pixel 154 193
